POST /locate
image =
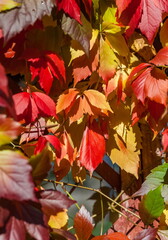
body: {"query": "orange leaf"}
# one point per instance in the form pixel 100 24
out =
pixel 66 99
pixel 112 236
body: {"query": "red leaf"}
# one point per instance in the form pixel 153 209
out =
pixel 92 147
pixel 122 5
pixel 88 6
pixel 46 67
pixel 165 140
pixel 53 140
pixel 131 15
pixel 5 98
pixel 151 83
pixel 13 166
pixel 161 57
pixel 70 7
pixel 83 224
pixel 146 234
pixel 30 106
pixel 150 19
pixel 112 236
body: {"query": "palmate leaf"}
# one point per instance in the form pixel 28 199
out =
pixel 30 106
pixel 17 19
pixel 46 66
pixel 13 166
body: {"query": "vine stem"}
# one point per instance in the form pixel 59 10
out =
pixel 95 190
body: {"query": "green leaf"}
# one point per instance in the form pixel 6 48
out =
pixel 81 33
pixel 153 180
pixel 151 206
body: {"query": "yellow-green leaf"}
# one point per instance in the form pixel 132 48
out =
pixel 8 4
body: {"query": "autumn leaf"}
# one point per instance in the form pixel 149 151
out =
pixel 122 149
pixel 83 224
pixel 108 65
pixel 81 33
pixel 146 234
pixel 112 236
pixel 17 19
pixel 8 5
pixel 91 155
pixel 145 15
pixel 53 202
pixel 58 221
pixel 53 140
pixel 165 140
pixel 5 97
pixel 12 183
pixel 24 217
pixel 70 7
pixel 9 129
pixel 30 106
pixel 46 67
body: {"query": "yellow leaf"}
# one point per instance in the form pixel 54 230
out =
pixel 97 99
pixel 123 148
pixel 58 221
pixel 8 4
pixel 164 219
pixel 118 43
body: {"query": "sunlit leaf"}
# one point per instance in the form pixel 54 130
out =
pixel 9 129
pixel 112 236
pixel 91 155
pixel 58 221
pixel 7 5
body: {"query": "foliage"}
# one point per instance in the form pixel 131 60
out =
pixel 81 79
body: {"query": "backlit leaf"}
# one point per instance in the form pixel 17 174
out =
pixel 46 67
pixel 17 19
pixel 92 147
pixel 9 129
pixel 66 99
pixel 70 7
pixel 107 61
pixel 151 206
pixel 12 183
pixel 165 140
pixel 83 224
pixel 58 221
pixel 112 236
pixel 31 106
pixel 7 5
